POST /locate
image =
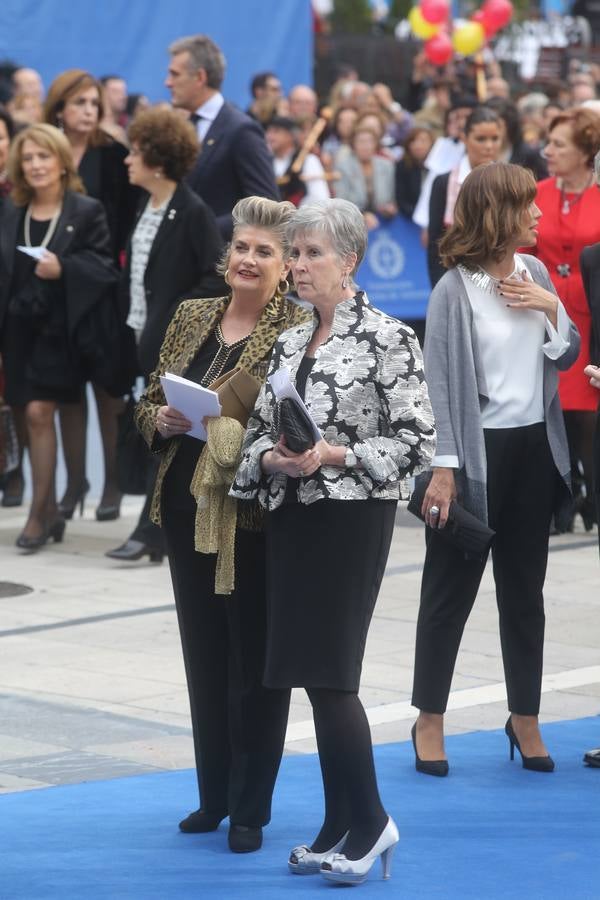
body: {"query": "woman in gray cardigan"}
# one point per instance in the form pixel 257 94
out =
pixel 496 337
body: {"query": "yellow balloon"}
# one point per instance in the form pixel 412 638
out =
pixel 420 26
pixel 469 38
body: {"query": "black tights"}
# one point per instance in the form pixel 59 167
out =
pixel 352 801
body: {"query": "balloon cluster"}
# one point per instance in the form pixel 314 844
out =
pixel 430 21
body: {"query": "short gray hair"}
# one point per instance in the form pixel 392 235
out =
pixel 338 220
pixel 204 54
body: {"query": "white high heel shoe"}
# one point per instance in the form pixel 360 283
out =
pixel 303 861
pixel 354 871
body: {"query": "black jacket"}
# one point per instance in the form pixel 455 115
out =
pixel 104 174
pixel 437 208
pixel 408 187
pixel 181 266
pixel 589 263
pixel 234 162
pixel 89 280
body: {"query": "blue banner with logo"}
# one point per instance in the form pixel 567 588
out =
pixel 394 270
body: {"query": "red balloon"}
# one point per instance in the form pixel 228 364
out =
pixel 435 11
pixel 480 17
pixel 498 13
pixel 439 49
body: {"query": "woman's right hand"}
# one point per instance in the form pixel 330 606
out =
pixel 294 465
pixel 441 492
pixel 170 422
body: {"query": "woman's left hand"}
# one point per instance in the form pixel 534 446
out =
pixel 49 267
pixel 527 294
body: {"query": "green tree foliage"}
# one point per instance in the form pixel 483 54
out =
pixel 351 16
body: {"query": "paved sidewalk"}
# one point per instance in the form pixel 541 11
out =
pixel 91 676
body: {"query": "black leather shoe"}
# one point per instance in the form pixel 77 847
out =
pixel 132 550
pixel 437 767
pixel 200 822
pixel 592 758
pixel 245 838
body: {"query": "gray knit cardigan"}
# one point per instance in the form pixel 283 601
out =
pixel 457 386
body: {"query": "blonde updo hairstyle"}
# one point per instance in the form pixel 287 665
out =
pixel 259 212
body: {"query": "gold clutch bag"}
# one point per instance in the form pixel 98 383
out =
pixel 237 392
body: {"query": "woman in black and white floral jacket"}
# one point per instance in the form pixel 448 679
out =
pixel 360 373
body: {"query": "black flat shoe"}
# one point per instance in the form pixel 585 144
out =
pixel 437 767
pixel 108 513
pixel 245 838
pixel 201 822
pixel 592 758
pixel 534 763
pixel 132 550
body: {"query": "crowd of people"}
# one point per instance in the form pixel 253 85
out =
pixel 193 238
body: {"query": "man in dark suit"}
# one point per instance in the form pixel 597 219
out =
pixel 234 160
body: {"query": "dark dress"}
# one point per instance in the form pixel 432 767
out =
pixel 320 603
pixel 38 363
pixel 55 333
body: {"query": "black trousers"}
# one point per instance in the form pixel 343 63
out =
pixel 521 486
pixel 238 725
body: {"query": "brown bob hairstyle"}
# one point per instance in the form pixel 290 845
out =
pixel 51 139
pixel 66 86
pixel 488 214
pixel 585 130
pixel 165 141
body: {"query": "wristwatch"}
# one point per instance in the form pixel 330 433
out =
pixel 350 459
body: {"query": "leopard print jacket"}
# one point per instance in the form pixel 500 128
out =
pixel 191 325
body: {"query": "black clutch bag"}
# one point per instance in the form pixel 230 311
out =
pixel 463 530
pixel 291 422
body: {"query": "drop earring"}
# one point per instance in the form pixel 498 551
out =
pixel 344 282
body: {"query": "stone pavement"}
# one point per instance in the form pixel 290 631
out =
pixel 91 676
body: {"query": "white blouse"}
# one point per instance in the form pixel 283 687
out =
pixel 141 244
pixel 512 346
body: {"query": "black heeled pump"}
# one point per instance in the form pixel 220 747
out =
pixel 66 509
pixel 56 532
pixel 437 767
pixel 534 763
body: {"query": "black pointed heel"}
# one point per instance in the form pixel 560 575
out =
pixel 533 763
pixel 66 510
pixel 437 767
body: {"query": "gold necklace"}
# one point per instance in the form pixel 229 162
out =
pixel 49 231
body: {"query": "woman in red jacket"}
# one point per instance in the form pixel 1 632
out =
pixel 570 204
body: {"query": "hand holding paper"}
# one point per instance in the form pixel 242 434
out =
pixel 192 400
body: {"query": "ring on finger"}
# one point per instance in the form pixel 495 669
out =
pixel 434 511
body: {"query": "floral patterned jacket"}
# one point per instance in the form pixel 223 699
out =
pixel 366 391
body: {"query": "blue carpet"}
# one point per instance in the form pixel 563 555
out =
pixel 490 830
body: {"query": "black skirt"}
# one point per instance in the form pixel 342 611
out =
pixel 325 562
